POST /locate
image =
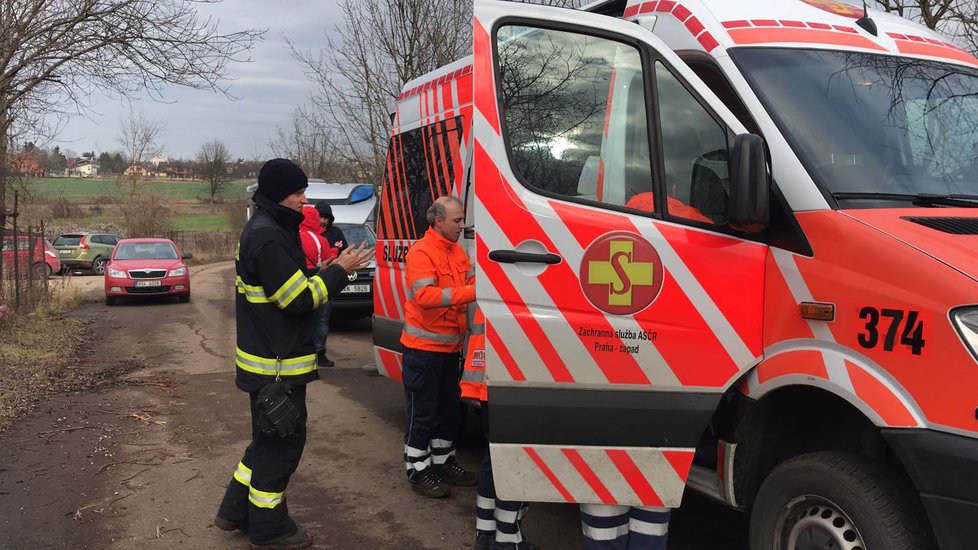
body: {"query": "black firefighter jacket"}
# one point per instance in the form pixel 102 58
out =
pixel 275 299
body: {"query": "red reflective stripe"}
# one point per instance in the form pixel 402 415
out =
pixel 589 476
pixel 680 461
pixel 504 356
pixel 914 48
pixel 485 99
pixel 549 473
pixel 802 36
pixel 391 362
pixel 543 345
pixel 643 489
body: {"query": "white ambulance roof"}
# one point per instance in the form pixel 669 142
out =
pixel 715 25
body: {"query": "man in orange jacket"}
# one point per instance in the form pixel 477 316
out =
pixel 440 283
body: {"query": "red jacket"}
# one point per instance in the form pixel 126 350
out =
pixel 440 282
pixel 316 248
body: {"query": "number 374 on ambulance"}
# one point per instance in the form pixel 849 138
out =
pixel 724 246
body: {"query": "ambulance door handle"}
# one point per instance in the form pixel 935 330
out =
pixel 512 257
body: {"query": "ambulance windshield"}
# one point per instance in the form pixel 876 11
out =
pixel 872 124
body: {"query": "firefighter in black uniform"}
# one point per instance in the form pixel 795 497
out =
pixel 276 296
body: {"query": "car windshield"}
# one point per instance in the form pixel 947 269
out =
pixel 68 240
pixel 356 233
pixel 145 251
pixel 867 124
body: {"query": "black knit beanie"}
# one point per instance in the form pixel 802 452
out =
pixel 325 210
pixel 279 178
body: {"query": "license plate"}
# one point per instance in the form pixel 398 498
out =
pixel 141 284
pixel 355 289
pixel 66 252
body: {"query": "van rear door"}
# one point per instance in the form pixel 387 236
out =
pixel 620 304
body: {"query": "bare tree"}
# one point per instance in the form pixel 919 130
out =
pixel 957 19
pixel 139 138
pixel 379 46
pixel 54 54
pixel 213 165
pixel 308 141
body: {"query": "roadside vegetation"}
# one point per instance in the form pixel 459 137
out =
pixel 36 354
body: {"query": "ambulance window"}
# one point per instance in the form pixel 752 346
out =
pixel 421 167
pixel 574 111
pixel 694 151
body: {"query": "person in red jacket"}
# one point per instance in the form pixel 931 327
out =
pixel 440 282
pixel 318 252
pixel 314 245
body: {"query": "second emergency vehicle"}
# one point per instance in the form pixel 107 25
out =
pixel 723 245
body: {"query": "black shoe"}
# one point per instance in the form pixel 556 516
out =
pixel 324 361
pixel 455 475
pixel 429 484
pixel 482 540
pixel 513 546
pixel 230 525
pixel 299 539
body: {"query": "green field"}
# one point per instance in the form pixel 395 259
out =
pixel 77 189
pixel 201 222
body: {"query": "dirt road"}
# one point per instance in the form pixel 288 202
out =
pixel 142 463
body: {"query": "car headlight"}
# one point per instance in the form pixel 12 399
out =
pixel 966 321
pixel 116 273
pixel 178 272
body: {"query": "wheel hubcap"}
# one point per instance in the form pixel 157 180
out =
pixel 100 266
pixel 811 522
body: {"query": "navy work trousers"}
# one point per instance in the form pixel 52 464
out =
pixel 432 398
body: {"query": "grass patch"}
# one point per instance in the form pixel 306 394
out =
pixel 35 351
pixel 81 189
pixel 201 222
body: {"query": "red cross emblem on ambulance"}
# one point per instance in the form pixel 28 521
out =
pixel 621 273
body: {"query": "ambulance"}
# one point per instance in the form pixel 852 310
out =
pixel 724 246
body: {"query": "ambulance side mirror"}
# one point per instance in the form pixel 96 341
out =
pixel 750 184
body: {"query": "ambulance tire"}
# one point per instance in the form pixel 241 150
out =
pixel 836 500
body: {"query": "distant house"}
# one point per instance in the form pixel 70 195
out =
pixel 84 167
pixel 136 170
pixel 27 163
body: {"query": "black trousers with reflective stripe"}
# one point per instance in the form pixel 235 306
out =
pixel 272 461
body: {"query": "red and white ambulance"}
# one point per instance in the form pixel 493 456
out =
pixel 723 245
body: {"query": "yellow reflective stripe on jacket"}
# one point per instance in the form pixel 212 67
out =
pixel 290 290
pixel 262 499
pixel 318 289
pixel 243 474
pixel 254 294
pixel 292 366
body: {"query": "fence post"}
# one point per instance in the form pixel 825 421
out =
pixel 16 256
pixel 43 254
pixel 30 264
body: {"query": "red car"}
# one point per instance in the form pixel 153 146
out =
pixel 45 261
pixel 146 267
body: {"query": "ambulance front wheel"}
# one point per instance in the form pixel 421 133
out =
pixel 839 501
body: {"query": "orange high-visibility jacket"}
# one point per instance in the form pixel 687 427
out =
pixel 440 282
pixel 473 382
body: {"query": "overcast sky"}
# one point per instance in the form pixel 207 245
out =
pixel 269 88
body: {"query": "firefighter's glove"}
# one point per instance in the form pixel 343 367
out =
pixel 277 414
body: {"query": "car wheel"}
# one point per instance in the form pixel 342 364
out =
pixel 184 298
pixel 98 266
pixel 42 271
pixel 835 500
pixel 111 300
